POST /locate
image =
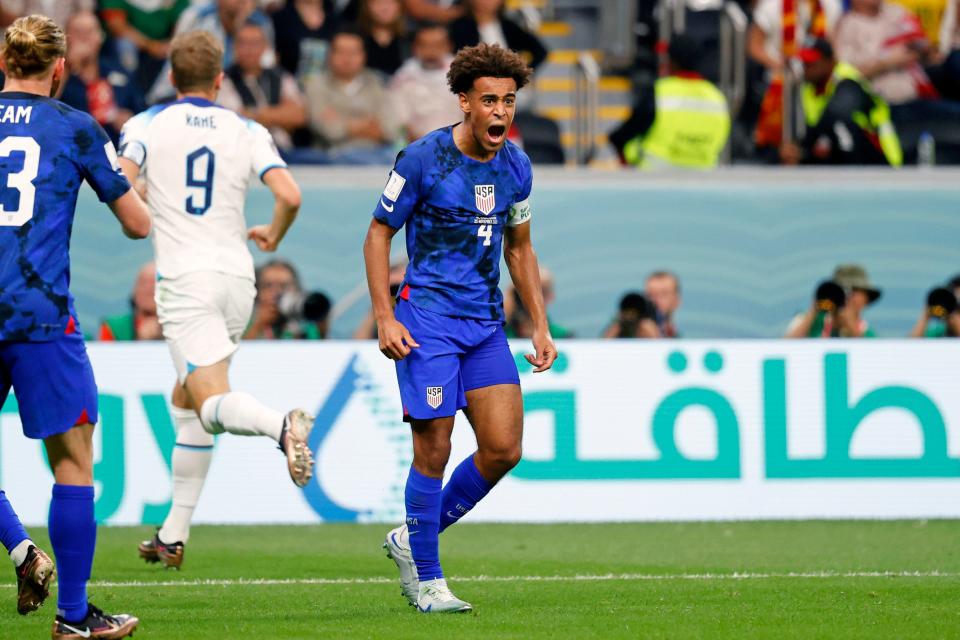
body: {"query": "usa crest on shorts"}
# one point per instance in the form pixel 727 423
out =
pixel 485 201
pixel 434 396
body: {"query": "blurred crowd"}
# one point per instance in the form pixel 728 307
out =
pixel 827 82
pixel 284 310
pixel 346 81
pixel 352 81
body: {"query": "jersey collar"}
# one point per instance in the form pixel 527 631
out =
pixel 197 102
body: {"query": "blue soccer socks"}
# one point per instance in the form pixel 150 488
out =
pixel 464 490
pixel 73 534
pixel 12 532
pixel 423 497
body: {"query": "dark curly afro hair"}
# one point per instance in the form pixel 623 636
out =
pixel 486 61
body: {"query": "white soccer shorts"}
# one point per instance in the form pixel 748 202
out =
pixel 203 315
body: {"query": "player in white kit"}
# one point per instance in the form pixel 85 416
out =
pixel 197 159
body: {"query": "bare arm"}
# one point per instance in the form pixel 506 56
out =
pixel 132 213
pixel 920 328
pixel 800 327
pixel 755 47
pixel 289 115
pixel 522 262
pixel 286 195
pixel 395 340
pixel 118 26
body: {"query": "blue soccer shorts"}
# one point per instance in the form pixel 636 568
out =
pixel 53 382
pixel 455 355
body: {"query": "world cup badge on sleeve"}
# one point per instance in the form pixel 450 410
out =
pixel 485 201
pixel 434 396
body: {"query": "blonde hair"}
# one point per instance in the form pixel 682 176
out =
pixel 31 45
pixel 196 58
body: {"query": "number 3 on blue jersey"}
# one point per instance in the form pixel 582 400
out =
pixel 21 180
pixel 205 182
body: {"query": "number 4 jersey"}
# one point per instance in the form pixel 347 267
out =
pixel 198 158
pixel 47 150
pixel 455 209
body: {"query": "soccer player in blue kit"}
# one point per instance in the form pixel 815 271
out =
pixel 47 150
pixel 461 192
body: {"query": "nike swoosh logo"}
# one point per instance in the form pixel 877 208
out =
pixel 83 634
pixel 388 207
pixel 450 514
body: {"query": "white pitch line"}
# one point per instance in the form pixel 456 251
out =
pixel 609 577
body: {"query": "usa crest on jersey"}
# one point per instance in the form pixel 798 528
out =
pixel 485 201
pixel 434 396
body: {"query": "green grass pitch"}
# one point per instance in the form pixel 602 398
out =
pixel 699 580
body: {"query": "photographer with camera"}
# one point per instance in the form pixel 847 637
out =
pixel 636 318
pixel 838 306
pixel 283 311
pixel 940 317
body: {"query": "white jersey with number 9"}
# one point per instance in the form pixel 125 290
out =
pixel 197 159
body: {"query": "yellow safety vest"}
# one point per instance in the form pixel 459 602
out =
pixel 877 121
pixel 689 130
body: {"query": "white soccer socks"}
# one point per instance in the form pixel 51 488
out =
pixel 242 414
pixel 191 462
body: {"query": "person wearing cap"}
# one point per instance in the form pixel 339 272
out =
pixel 940 317
pixel 842 321
pixel 684 123
pixel 847 123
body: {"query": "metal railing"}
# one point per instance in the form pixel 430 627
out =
pixel 586 107
pixel 794 125
pixel 733 63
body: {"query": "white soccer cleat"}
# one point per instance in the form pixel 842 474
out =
pixel 397 545
pixel 436 597
pixel 298 425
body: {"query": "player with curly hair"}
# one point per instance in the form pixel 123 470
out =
pixel 462 192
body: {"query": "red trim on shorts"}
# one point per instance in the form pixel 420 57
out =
pixel 405 292
pixel 71 327
pixel 83 419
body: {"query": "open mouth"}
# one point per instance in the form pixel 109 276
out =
pixel 496 133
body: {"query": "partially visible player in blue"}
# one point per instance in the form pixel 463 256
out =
pixel 462 192
pixel 47 150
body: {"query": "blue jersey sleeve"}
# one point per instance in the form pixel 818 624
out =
pixel 520 211
pixel 98 161
pixel 402 193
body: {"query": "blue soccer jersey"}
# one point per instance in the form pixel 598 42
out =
pixel 47 149
pixel 454 209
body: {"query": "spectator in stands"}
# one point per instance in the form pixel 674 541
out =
pixel 816 18
pixel 95 83
pixel 662 289
pixel 847 123
pixel 141 322
pixel 303 30
pixel 636 318
pixel 59 10
pixel 282 310
pixel 222 18
pixel 367 329
pixel 940 317
pixel 485 22
pixel 886 43
pixel 519 323
pixel 683 123
pixel 765 48
pixel 268 95
pixel 142 28
pixel 423 99
pixel 383 26
pixel 841 318
pixel 351 114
